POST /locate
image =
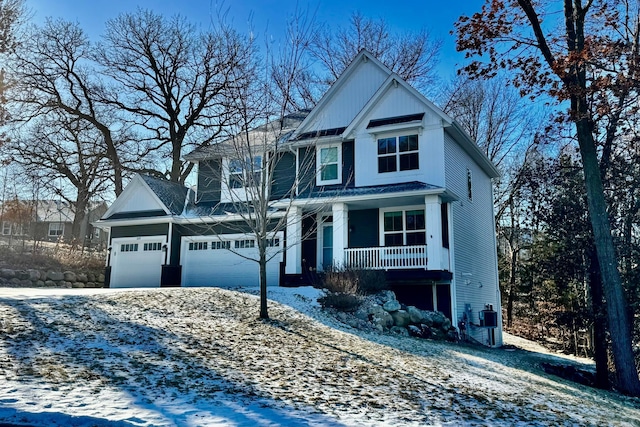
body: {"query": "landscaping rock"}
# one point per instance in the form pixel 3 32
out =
pixel 81 277
pixel 22 275
pixel 70 276
pixel 382 318
pixel 56 276
pixel 34 275
pixel 49 283
pixel 26 283
pixel 391 305
pixel 446 325
pixel 77 285
pixel 7 273
pixel 384 296
pixel 434 318
pixel 401 318
pixel 39 284
pixel 91 277
pixel 101 278
pixel 14 281
pixel 416 314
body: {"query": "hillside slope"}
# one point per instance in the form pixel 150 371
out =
pixel 200 357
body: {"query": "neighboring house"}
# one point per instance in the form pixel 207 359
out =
pixel 398 186
pixel 51 220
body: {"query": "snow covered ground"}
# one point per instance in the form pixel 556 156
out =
pixel 200 357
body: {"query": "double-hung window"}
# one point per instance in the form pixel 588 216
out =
pixel 245 173
pixel 404 228
pixel 398 153
pixel 328 162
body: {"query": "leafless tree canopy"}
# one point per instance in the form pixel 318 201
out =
pixel 53 76
pixel 12 15
pixel 173 80
pixel 413 56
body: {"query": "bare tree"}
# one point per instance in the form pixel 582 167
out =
pixel 54 77
pixel 172 81
pixel 69 148
pixel 13 13
pixel 413 56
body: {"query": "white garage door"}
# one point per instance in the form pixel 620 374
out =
pixel 209 261
pixel 136 262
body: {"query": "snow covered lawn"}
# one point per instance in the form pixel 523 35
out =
pixel 200 357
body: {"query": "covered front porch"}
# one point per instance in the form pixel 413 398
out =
pixel 393 234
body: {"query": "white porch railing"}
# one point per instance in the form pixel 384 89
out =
pixel 386 258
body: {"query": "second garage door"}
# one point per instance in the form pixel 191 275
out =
pixel 226 261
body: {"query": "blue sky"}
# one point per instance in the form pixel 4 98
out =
pixel 269 16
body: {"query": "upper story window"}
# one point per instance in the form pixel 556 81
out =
pixel 245 173
pixel 6 228
pixel 398 153
pixel 404 228
pixel 329 164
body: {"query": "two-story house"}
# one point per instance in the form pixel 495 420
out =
pixel 374 177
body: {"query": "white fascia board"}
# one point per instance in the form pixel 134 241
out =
pixel 219 218
pixel 124 222
pixel 364 197
pixel 468 145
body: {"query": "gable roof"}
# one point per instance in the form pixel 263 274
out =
pixel 275 131
pixel 363 55
pixel 392 80
pixel 169 198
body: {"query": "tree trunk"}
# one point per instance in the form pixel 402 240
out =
pixel 618 317
pixel 599 322
pixel 263 281
pixel 82 202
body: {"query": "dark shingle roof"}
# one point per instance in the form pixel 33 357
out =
pixel 171 194
pixel 372 190
pixel 395 120
pixel 320 133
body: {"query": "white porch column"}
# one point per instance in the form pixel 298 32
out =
pixel 294 241
pixel 340 232
pixel 433 217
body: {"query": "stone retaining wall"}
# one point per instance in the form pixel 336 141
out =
pixel 33 278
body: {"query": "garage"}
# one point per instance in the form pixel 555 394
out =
pixel 226 261
pixel 137 262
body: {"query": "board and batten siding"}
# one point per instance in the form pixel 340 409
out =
pixel 209 175
pixel 348 100
pixel 398 101
pixel 473 240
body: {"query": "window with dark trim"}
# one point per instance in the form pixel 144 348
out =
pixel 243 244
pixel 198 246
pixel 155 246
pixel 398 154
pixel 404 228
pixel 220 244
pixel 129 247
pixel 444 217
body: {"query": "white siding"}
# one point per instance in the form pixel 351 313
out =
pixel 398 102
pixel 473 239
pixel 139 199
pixel 349 99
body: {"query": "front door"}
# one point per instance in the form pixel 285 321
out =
pixel 325 260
